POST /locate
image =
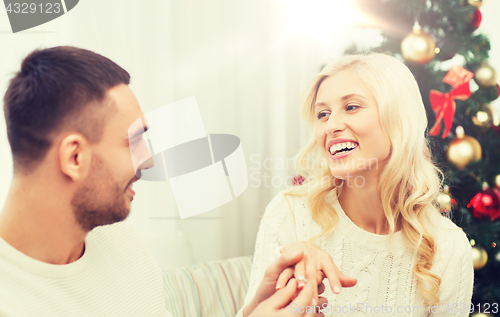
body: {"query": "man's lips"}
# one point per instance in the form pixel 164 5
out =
pixel 133 180
pixel 129 187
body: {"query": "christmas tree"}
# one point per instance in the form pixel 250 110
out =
pixel 436 39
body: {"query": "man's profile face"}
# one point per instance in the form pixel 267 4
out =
pixel 105 195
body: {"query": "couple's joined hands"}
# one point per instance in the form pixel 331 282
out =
pixel 296 276
pixel 314 266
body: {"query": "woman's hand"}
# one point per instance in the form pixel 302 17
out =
pixel 313 267
pixel 289 273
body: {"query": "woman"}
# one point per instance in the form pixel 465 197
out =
pixel 368 200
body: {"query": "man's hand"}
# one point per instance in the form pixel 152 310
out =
pixel 268 285
pixel 313 266
pixel 278 305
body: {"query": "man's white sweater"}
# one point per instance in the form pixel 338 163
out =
pixel 116 276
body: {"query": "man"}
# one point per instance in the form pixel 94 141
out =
pixel 64 248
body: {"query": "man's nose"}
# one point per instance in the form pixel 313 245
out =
pixel 149 163
pixel 141 156
pixel 145 155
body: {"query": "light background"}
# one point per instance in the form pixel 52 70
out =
pixel 246 62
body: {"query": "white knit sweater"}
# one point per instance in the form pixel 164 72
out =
pixel 386 284
pixel 116 276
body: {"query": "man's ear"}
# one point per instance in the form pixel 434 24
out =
pixel 75 156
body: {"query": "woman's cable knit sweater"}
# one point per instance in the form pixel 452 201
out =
pixel 386 283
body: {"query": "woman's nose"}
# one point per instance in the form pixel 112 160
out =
pixel 335 124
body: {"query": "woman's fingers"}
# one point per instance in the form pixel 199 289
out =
pixel 347 281
pixel 337 279
pixel 305 298
pixel 322 301
pixel 313 256
pixel 285 276
pixel 321 288
pixel 320 276
pixel 300 274
pixel 311 276
pixel 332 273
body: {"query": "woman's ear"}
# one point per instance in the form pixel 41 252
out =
pixel 75 156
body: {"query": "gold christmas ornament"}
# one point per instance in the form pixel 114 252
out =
pixel 444 201
pixel 479 257
pixel 497 181
pixel 463 150
pixel 485 76
pixel 486 116
pixel 476 3
pixel 418 47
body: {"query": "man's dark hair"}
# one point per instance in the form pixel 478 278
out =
pixel 57 88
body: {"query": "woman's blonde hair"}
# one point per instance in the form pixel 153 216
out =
pixel 409 182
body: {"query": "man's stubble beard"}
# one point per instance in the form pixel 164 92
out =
pixel 99 201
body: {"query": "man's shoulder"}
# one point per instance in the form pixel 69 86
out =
pixel 120 240
pixel 116 274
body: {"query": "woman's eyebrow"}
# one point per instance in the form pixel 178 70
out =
pixel 352 95
pixel 319 104
pixel 343 98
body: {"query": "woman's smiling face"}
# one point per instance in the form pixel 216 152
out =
pixel 348 130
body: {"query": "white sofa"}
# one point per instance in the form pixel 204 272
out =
pixel 213 289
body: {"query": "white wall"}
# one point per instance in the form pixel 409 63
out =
pixel 236 58
pixel 490 26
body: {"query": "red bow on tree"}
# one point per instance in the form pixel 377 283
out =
pixel 444 104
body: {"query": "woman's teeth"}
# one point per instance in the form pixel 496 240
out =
pixel 342 146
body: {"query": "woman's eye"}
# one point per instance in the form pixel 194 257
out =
pixel 351 107
pixel 322 115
